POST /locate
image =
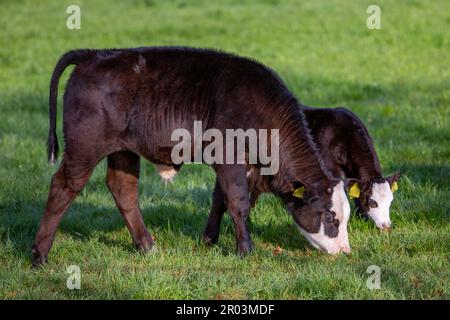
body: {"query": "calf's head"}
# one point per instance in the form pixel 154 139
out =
pixel 374 198
pixel 322 215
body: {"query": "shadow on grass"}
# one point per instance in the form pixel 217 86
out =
pixel 84 221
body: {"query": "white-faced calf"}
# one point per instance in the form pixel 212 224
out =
pixel 348 151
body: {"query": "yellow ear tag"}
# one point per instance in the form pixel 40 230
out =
pixel 394 186
pixel 354 191
pixel 299 192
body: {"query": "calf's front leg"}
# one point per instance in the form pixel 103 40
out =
pixel 218 208
pixel 233 182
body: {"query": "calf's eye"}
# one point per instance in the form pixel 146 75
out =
pixel 372 203
pixel 329 217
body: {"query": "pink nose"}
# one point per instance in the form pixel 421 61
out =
pixel 346 249
pixel 385 225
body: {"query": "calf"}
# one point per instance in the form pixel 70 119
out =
pixel 124 103
pixel 347 150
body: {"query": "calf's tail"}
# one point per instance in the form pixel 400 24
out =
pixel 69 58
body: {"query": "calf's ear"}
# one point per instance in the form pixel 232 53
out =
pixel 349 182
pixel 307 193
pixel 353 186
pixel 395 177
pixel 299 192
pixel 392 180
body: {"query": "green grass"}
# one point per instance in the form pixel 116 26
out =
pixel 396 79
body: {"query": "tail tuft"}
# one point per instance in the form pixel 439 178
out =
pixel 52 147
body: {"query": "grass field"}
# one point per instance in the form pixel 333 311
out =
pixel 396 79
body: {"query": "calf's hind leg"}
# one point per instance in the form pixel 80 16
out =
pixel 66 183
pixel 122 180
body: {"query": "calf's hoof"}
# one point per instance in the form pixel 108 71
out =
pixel 37 258
pixel 244 248
pixel 145 246
pixel 209 240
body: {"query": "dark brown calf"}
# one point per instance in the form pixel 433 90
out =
pixel 127 102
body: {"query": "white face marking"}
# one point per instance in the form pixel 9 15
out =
pixel 340 243
pixel 382 195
